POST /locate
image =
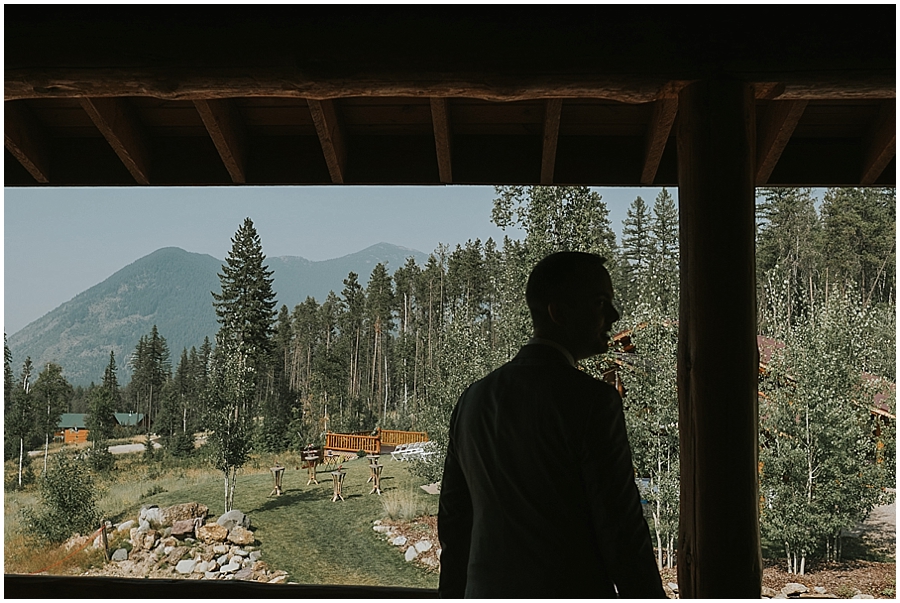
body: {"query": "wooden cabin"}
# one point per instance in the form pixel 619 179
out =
pixel 71 428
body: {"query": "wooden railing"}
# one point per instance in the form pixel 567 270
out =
pixel 353 443
pixel 361 440
pixel 393 437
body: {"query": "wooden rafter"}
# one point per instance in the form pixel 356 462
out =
pixel 120 127
pixel 440 117
pixel 331 136
pixel 773 132
pixel 552 114
pixel 26 141
pixel 661 119
pixel 880 144
pixel 225 127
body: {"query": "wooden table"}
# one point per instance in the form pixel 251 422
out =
pixel 337 479
pixel 373 462
pixel 311 461
pixel 376 477
pixel 277 473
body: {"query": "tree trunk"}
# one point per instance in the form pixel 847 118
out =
pixel 21 453
pixel 46 450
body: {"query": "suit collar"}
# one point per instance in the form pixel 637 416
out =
pixel 539 344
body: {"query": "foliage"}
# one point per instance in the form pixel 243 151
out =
pixel 68 500
pixel 651 414
pixel 403 505
pixel 820 467
pixel 101 420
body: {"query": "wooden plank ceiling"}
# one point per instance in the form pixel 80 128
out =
pixel 356 95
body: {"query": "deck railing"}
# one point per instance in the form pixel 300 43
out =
pixel 392 437
pixel 353 443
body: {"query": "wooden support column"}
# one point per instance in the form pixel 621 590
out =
pixel 118 124
pixel 443 140
pixel 225 127
pixel 552 114
pixel 719 549
pixel 26 140
pixel 331 136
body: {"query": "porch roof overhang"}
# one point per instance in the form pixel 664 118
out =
pixel 406 95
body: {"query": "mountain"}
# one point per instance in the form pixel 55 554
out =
pixel 171 289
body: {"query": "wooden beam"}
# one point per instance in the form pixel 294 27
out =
pixel 331 136
pixel 774 130
pixel 115 120
pixel 225 127
pixel 26 140
pixel 661 120
pixel 440 118
pixel 719 547
pixel 552 114
pixel 880 144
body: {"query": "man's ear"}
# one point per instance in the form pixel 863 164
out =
pixel 556 313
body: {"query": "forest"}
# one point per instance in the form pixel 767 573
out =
pixel 397 353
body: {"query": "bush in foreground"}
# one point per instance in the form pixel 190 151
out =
pixel 68 502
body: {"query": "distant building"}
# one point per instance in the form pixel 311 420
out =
pixel 71 428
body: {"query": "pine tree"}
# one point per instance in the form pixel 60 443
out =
pixel 104 402
pixel 638 250
pixel 245 310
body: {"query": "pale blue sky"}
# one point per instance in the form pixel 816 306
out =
pixel 60 242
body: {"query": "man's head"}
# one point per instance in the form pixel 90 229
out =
pixel 569 295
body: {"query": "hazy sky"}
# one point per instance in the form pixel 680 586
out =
pixel 60 242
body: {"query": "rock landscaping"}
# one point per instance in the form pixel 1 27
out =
pixel 416 540
pixel 181 541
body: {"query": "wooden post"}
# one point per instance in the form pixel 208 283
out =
pixel 103 539
pixel 719 550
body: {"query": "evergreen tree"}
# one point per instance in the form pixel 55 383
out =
pixel 664 263
pixel 245 310
pixel 51 392
pixel 637 252
pixel 151 371
pixel 101 420
pixel 8 379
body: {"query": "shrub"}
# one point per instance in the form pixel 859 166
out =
pixel 100 459
pixel 68 501
pixel 403 506
pixel 181 444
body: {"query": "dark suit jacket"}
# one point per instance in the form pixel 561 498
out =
pixel 538 497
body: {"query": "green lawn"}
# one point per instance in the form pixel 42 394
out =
pixel 315 540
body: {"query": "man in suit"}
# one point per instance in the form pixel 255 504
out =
pixel 538 497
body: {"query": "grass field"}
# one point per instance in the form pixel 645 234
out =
pixel 302 532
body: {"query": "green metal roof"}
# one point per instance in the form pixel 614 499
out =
pixel 127 419
pixel 71 419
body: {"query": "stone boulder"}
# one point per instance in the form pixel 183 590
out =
pixel 143 540
pixel 240 536
pixel 794 589
pixel 120 555
pixel 186 566
pixel 125 526
pixel 410 553
pixel 233 518
pixel 191 510
pixel 151 515
pixel 184 528
pixel 212 533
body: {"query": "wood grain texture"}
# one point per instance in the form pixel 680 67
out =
pixel 443 140
pixel 331 136
pixel 552 115
pixel 228 133
pixel 26 141
pixel 880 145
pixel 774 131
pixel 116 121
pixel 661 120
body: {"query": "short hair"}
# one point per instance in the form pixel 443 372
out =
pixel 555 277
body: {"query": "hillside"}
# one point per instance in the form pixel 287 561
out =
pixel 171 289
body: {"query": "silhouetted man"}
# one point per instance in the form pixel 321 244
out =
pixel 538 497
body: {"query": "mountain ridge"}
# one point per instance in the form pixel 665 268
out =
pixel 171 287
